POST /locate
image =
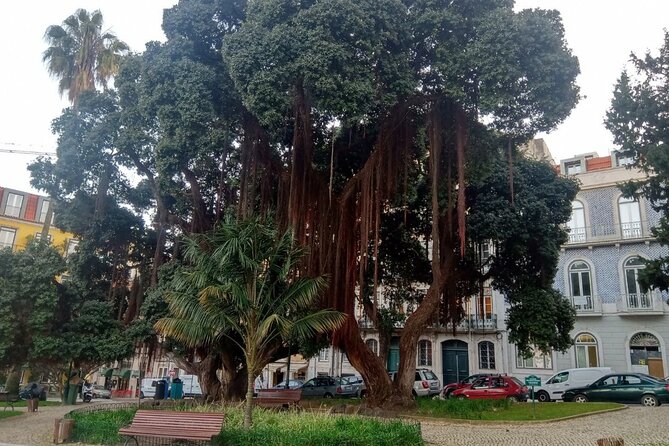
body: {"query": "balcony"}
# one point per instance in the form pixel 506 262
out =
pixel 634 304
pixel 602 233
pixel 365 323
pixel 472 323
pixel 586 305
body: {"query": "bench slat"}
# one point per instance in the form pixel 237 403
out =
pixel 176 425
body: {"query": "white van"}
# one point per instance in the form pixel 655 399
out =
pixel 191 386
pixel 557 384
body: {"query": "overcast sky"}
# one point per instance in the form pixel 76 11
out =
pixel 602 33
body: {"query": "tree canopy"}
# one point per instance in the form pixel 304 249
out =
pixel 371 129
pixel 640 126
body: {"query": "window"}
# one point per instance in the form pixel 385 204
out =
pixel 538 360
pixel 645 354
pixel 624 159
pixel 13 205
pixel 38 236
pixel 580 286
pixel 324 354
pixel 585 345
pixel 636 298
pixel 573 167
pixel 577 223
pixel 43 211
pixel 559 378
pixel 630 218
pixel 7 236
pixel 424 353
pixel 373 345
pixel 71 246
pixel 486 355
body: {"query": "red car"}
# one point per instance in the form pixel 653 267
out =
pixel 467 382
pixel 494 387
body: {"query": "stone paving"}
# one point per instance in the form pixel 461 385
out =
pixel 636 425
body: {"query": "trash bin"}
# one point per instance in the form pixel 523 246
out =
pixel 177 390
pixel 33 404
pixel 161 390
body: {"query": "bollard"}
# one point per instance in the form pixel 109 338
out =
pixel 611 441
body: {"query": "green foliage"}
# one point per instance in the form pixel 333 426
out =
pixel 100 427
pixel 29 299
pixel 81 55
pixel 637 119
pixel 240 284
pixel 525 239
pixel 503 410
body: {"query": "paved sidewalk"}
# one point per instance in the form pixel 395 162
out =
pixel 636 425
pixel 34 429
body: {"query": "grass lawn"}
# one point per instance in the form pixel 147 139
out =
pixel 25 404
pixel 503 410
pixel 9 413
pixel 270 427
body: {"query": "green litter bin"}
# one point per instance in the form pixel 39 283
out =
pixel 177 389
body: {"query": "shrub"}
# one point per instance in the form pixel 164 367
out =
pixel 100 427
pixel 457 408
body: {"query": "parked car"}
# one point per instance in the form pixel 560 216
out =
pixel 101 392
pixel 493 387
pixel 358 384
pixel 557 384
pixel 327 387
pixel 33 390
pixel 622 388
pixel 425 383
pixel 292 384
pixel 449 388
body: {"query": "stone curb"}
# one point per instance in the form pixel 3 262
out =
pixel 444 421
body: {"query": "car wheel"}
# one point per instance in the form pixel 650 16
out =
pixel 543 397
pixel 141 395
pixel 462 397
pixel 580 398
pixel 650 401
pixel 327 396
pixel 363 394
pixel 512 398
pixel 447 395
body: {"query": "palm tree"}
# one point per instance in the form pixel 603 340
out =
pixel 241 284
pixel 81 55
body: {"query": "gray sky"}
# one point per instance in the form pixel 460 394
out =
pixel 602 33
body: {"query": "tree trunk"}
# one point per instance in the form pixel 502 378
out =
pixel 248 405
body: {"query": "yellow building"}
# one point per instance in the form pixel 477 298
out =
pixel 22 216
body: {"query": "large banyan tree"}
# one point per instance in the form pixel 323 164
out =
pixel 351 121
pixel 409 86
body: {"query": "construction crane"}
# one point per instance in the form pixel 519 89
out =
pixel 16 149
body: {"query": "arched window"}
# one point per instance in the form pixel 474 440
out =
pixel 645 354
pixel 373 345
pixel 586 350
pixel 486 355
pixel 425 353
pixel 636 297
pixel 580 286
pixel 577 223
pixel 630 218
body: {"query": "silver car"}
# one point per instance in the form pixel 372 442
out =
pixel 425 382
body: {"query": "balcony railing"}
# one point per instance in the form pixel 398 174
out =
pixel 586 305
pixel 472 323
pixel 641 303
pixel 624 231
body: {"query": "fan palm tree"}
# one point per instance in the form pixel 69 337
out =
pixel 241 284
pixel 81 55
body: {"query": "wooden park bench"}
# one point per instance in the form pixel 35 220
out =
pixel 278 398
pixel 9 399
pixel 164 424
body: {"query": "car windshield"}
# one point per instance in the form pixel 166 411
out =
pixel 429 375
pixel 517 381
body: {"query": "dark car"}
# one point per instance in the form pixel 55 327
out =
pixel 327 387
pixel 449 388
pixel 493 387
pixel 622 388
